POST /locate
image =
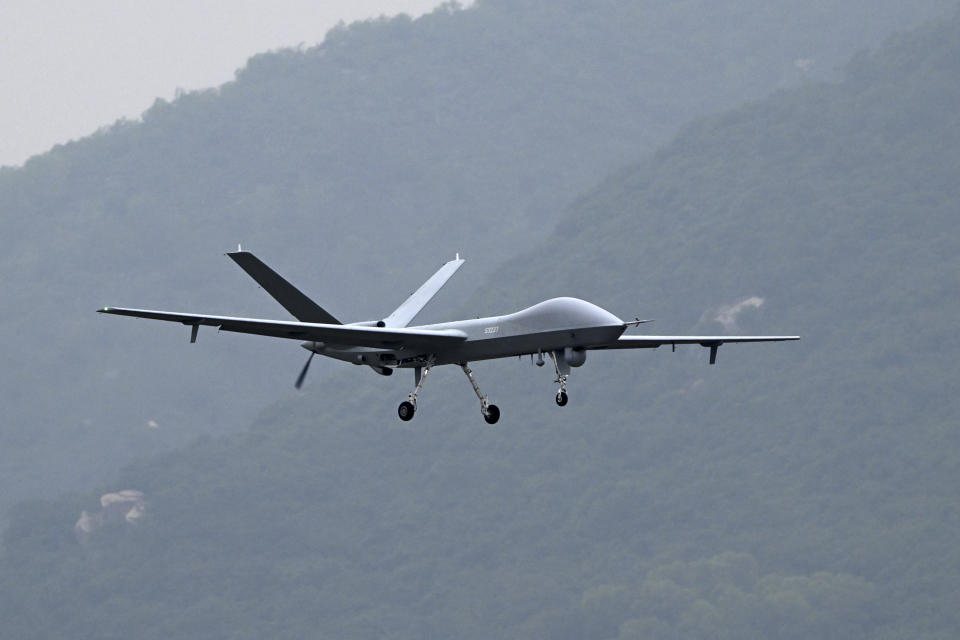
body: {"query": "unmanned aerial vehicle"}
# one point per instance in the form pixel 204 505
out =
pixel 563 329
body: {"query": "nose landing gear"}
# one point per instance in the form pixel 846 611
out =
pixel 406 411
pixel 561 397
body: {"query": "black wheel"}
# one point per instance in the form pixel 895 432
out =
pixel 406 411
pixel 562 398
pixel 492 414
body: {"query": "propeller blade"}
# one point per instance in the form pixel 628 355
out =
pixel 303 373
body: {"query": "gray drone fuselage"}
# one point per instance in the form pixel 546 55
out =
pixel 565 325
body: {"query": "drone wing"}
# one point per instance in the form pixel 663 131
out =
pixel 336 334
pixel 713 342
pixel 651 342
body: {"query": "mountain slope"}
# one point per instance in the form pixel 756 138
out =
pixel 356 165
pixel 801 490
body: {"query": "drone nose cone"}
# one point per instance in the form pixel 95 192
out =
pixel 315 347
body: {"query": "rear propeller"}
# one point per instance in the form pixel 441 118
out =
pixel 303 372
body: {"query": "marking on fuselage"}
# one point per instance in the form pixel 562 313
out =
pixel 490 330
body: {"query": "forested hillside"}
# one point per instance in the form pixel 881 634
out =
pixel 798 490
pixel 355 168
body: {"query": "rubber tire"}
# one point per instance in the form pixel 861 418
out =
pixel 406 411
pixel 492 414
pixel 561 398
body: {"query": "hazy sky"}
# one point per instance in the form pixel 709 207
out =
pixel 67 68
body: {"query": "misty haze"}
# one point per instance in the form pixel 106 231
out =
pixel 748 168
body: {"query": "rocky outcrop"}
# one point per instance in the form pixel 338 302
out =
pixel 122 507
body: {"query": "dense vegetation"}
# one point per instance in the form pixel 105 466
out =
pixel 802 490
pixel 354 166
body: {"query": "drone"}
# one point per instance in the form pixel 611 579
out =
pixel 562 329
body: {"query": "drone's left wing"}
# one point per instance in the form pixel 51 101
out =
pixel 651 342
pixel 337 334
pixel 713 342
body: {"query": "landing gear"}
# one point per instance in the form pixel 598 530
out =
pixel 491 412
pixel 561 380
pixel 406 411
pixel 409 407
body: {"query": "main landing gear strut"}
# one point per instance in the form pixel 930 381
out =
pixel 491 413
pixel 408 408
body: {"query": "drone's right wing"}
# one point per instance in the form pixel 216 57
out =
pixel 336 334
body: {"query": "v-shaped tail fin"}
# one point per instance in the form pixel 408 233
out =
pixel 293 300
pixel 407 311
